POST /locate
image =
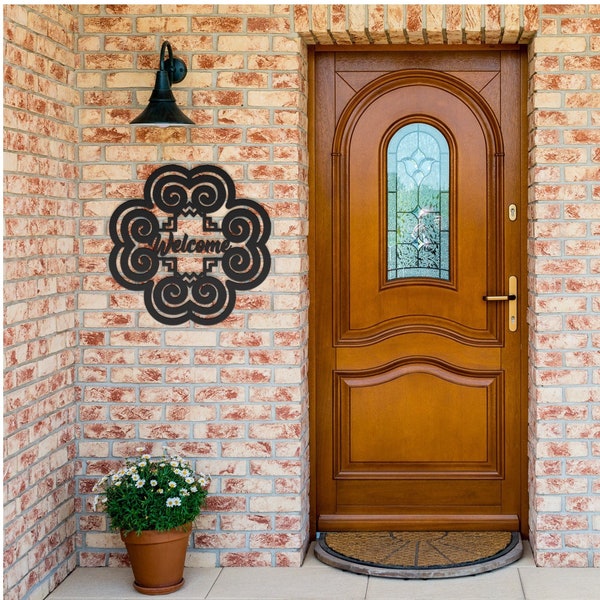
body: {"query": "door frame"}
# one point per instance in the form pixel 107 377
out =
pixel 313 216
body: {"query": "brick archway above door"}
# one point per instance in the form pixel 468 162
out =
pixel 416 23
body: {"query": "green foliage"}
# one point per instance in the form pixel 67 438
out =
pixel 152 494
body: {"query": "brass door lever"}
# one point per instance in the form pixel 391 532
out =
pixel 499 298
pixel 511 298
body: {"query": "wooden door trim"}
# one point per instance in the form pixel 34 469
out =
pixel 313 217
pixel 523 301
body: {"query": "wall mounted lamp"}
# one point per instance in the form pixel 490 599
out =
pixel 162 110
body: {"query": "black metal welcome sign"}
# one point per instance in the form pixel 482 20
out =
pixel 190 244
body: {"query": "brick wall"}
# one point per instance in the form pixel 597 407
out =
pixel 232 397
pixel 40 283
pixel 564 266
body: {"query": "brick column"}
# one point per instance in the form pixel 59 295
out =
pixel 40 284
pixel 564 114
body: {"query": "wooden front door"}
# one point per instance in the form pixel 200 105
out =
pixel 418 291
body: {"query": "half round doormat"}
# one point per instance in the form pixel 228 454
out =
pixel 419 554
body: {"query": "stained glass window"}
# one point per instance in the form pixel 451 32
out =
pixel 418 203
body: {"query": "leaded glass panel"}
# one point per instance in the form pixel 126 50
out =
pixel 418 203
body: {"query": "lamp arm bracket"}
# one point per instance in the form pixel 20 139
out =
pixel 174 66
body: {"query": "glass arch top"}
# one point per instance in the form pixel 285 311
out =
pixel 418 203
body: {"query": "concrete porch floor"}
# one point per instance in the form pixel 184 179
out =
pixel 315 581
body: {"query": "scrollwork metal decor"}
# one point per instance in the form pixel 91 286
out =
pixel 190 244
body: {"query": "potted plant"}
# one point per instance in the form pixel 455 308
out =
pixel 153 503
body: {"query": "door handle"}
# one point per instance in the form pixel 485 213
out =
pixel 499 298
pixel 511 298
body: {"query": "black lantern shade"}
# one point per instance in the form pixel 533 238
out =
pixel 162 110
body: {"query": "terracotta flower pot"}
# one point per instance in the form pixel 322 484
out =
pixel 157 559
